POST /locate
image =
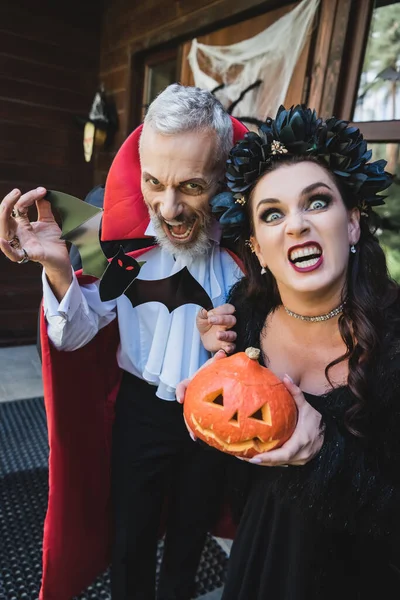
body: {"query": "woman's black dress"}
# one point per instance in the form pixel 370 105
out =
pixel 329 529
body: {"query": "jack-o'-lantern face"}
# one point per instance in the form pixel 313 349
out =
pixel 239 407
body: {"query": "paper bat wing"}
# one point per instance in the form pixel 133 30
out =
pixel 81 226
pixel 174 291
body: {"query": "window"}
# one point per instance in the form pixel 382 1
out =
pixel 160 72
pixel 371 100
pixel 389 213
pixel 378 96
pixel 151 74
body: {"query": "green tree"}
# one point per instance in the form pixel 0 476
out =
pixel 382 54
pixel 382 62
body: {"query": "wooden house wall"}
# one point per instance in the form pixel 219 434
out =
pixel 49 58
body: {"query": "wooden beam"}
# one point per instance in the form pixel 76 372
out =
pixel 380 131
pixel 325 24
pixel 354 52
pixel 336 56
pixel 198 22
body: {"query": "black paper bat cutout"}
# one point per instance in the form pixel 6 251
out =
pixel 81 226
pixel 121 271
pixel 181 288
pixel 173 291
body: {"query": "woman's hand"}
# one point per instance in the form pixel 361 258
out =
pixel 214 327
pixel 307 438
pixel 21 240
pixel 182 385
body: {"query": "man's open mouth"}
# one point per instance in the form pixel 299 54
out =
pixel 179 231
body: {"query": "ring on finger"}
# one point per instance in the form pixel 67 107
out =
pixel 25 259
pixel 17 213
pixel 15 243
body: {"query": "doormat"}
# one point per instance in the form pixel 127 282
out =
pixel 23 502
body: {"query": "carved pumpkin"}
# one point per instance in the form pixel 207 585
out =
pixel 239 406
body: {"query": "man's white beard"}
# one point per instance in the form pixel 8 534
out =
pixel 191 250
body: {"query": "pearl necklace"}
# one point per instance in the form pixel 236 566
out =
pixel 329 315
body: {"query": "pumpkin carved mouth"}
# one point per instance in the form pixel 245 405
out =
pixel 255 443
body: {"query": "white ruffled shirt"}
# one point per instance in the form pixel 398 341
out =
pixel 160 347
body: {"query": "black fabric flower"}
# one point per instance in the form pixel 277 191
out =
pixel 299 131
pixel 230 214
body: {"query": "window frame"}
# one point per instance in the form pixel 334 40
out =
pixel 157 58
pixel 359 26
pixel 140 69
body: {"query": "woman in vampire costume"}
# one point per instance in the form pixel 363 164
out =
pixel 319 303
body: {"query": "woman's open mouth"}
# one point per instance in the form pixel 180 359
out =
pixel 305 257
pixel 180 232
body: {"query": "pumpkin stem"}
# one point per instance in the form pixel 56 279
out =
pixel 253 353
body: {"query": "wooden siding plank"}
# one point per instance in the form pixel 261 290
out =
pixel 42 95
pixel 24 70
pixel 56 22
pixel 44 53
pixel 36 153
pixel 31 133
pixel 25 112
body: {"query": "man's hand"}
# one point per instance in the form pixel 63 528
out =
pixel 182 385
pixel 21 240
pixel 214 327
pixel 40 239
pixel 307 438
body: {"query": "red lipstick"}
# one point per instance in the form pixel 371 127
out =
pixel 297 263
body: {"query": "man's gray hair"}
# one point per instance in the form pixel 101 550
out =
pixel 182 108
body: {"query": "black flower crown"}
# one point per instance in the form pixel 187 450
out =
pixel 298 131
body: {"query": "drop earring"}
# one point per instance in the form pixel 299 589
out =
pixel 353 249
pixel 263 270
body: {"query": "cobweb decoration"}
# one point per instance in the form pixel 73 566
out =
pixel 270 56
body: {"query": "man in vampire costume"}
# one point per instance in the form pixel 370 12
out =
pixel 113 366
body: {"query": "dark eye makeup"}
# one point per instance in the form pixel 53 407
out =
pixel 323 199
pixel 318 201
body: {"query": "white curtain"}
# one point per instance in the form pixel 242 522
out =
pixel 270 56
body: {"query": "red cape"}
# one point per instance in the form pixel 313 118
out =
pixel 80 388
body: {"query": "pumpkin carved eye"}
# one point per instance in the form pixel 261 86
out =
pixel 263 414
pixel 219 400
pixel 234 420
pixel 257 415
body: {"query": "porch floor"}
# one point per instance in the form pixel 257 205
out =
pixel 21 378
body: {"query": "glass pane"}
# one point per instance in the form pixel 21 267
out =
pixel 378 97
pixel 389 234
pixel 159 77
